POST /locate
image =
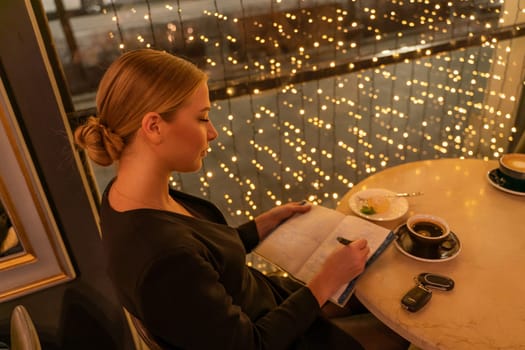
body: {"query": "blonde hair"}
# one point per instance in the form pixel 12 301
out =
pixel 138 82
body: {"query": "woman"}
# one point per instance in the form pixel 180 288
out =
pixel 176 265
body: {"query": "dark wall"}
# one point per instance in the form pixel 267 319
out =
pixel 84 313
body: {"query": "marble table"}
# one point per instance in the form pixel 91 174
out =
pixel 486 308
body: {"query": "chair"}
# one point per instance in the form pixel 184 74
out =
pixel 144 340
pixel 23 332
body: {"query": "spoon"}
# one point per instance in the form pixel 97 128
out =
pixel 408 194
pixel 402 194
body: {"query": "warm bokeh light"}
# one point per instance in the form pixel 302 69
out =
pixel 318 96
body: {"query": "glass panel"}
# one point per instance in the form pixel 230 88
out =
pixel 253 39
pixel 310 97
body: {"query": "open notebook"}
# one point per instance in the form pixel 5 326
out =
pixel 301 244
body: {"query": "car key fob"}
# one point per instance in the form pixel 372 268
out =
pixel 416 298
pixel 431 280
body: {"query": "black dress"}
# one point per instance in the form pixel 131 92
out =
pixel 186 279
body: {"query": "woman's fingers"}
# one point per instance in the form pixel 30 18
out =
pixel 360 244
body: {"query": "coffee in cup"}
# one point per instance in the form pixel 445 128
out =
pixel 513 165
pixel 428 229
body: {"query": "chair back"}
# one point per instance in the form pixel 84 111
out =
pixel 23 332
pixel 145 340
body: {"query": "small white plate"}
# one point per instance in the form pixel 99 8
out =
pixel 398 205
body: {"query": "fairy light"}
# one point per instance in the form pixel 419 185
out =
pixel 314 140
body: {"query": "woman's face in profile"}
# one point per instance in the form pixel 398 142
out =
pixel 187 134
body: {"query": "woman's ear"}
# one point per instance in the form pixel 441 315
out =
pixel 151 127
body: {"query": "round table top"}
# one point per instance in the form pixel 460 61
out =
pixel 485 310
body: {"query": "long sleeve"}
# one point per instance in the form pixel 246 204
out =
pixel 184 303
pixel 186 279
pixel 249 236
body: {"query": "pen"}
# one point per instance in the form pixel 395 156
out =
pixel 343 240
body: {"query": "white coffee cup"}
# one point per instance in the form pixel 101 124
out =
pixel 513 165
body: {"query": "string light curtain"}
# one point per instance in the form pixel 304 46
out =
pixel 310 97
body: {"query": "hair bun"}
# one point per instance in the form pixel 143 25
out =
pixel 102 145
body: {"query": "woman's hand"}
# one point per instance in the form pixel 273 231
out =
pixel 268 221
pixel 341 266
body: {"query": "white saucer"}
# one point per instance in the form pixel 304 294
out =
pixel 398 205
pixel 495 179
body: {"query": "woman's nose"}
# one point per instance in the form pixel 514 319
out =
pixel 212 132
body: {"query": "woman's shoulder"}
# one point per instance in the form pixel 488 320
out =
pixel 198 206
